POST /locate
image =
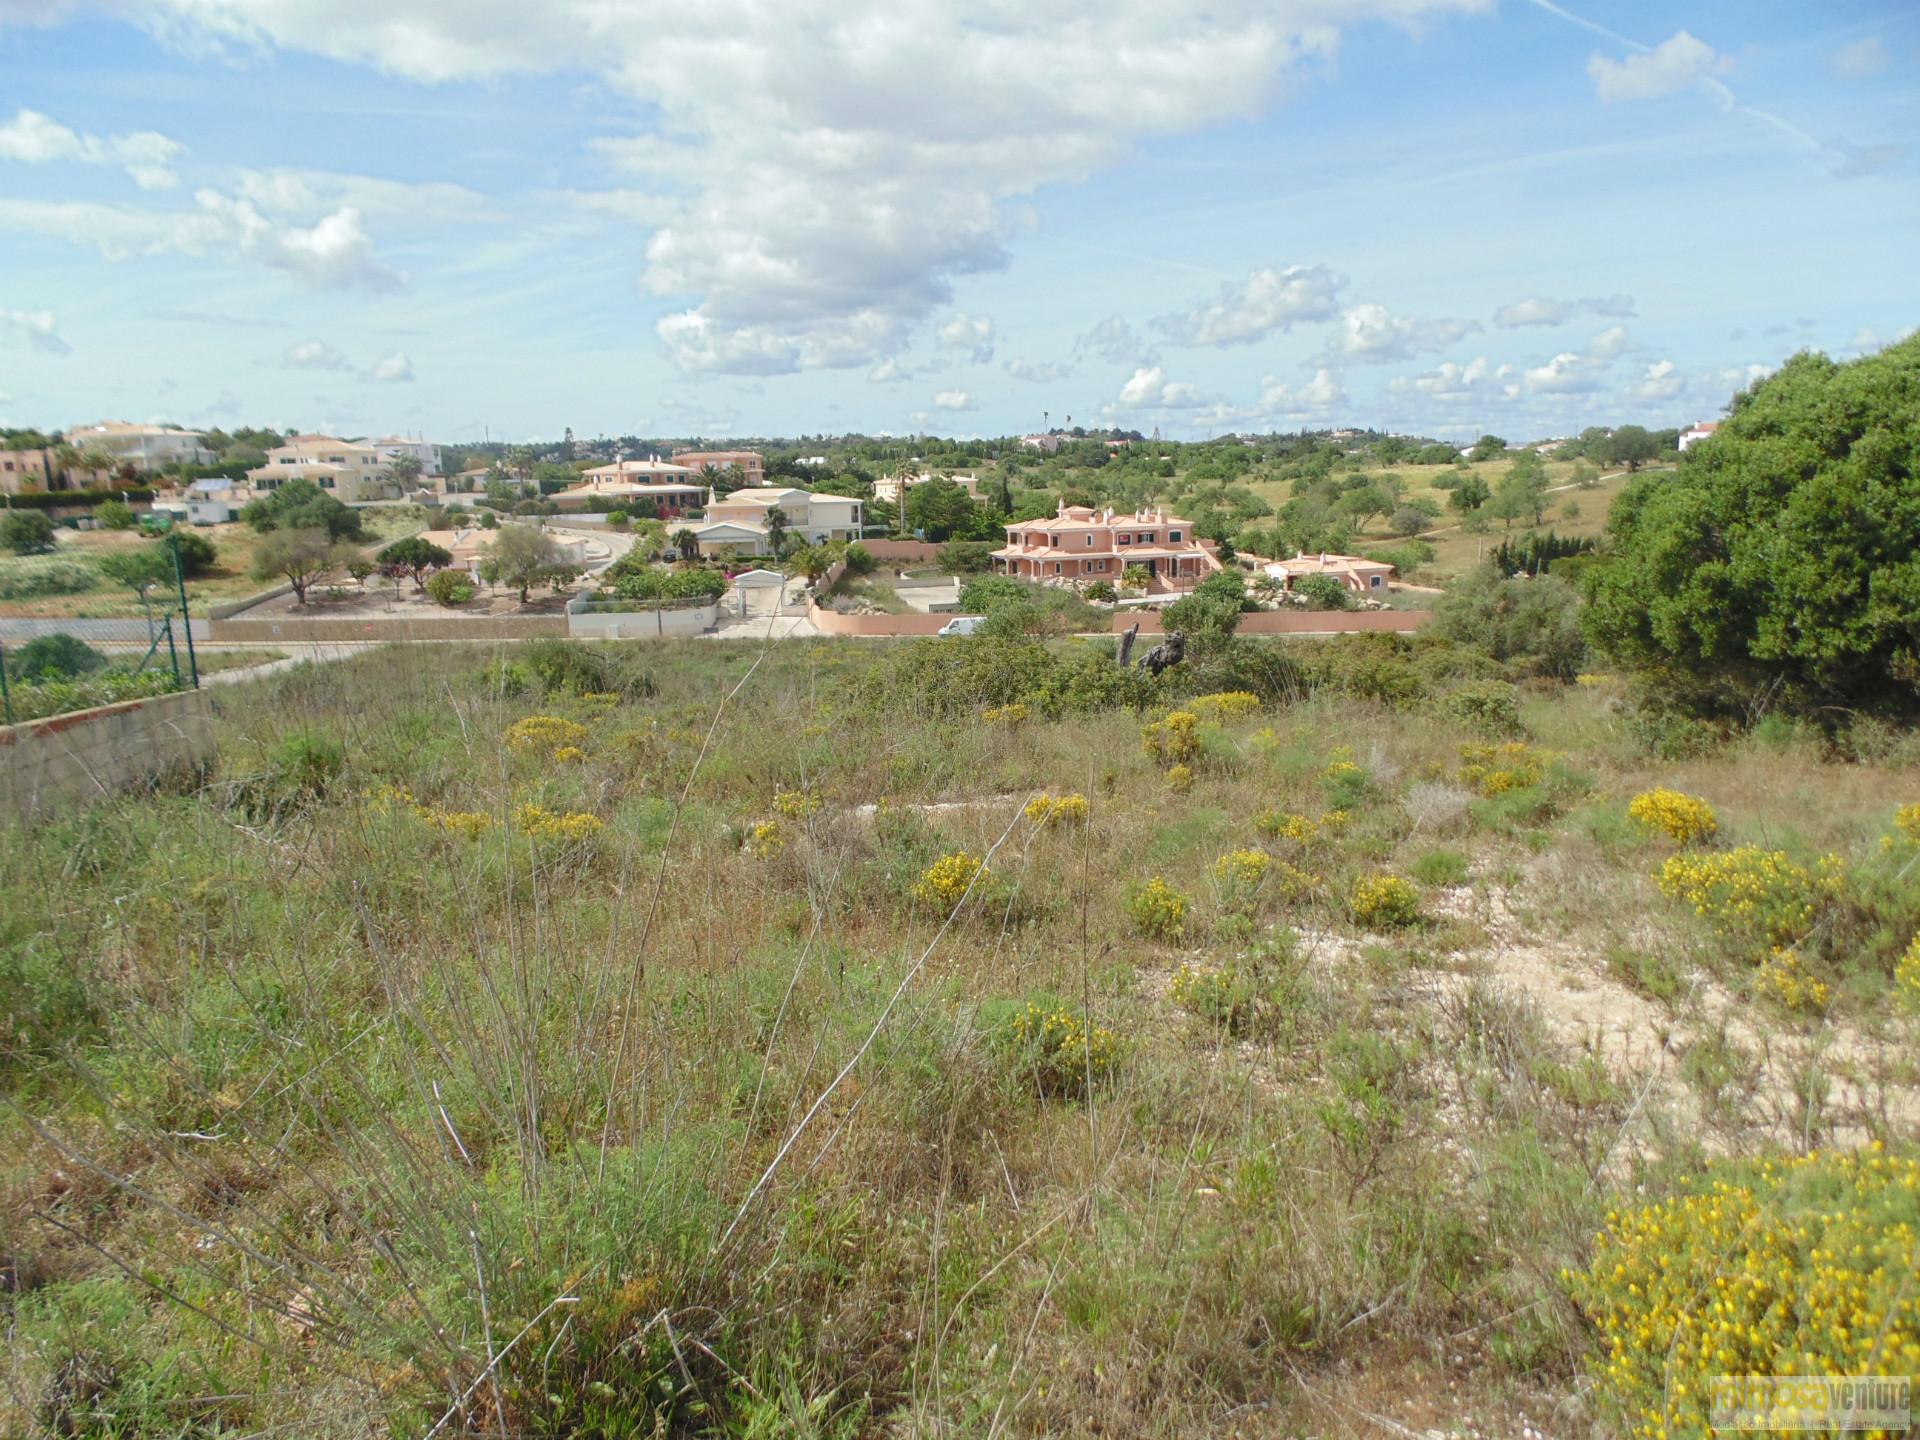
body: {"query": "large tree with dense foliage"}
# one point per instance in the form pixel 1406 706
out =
pixel 1781 563
pixel 302 505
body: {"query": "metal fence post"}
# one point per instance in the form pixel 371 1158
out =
pixel 6 695
pixel 173 655
pixel 186 620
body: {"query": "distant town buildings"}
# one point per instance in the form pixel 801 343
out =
pixel 1693 435
pixel 1082 544
pixel 145 447
pixel 39 470
pixel 1048 444
pixel 891 488
pixel 672 489
pixel 347 470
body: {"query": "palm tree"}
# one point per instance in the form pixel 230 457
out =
pixel 686 543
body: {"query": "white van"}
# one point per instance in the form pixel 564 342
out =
pixel 963 625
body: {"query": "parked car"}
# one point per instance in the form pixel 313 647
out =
pixel 963 625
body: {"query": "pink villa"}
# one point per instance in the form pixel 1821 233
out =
pixel 1081 544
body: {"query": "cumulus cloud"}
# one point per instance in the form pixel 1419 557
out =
pixel 1660 381
pixel 1477 382
pixel 313 355
pixel 1859 60
pixel 1670 66
pixel 889 372
pixel 971 333
pixel 334 253
pixel 1545 311
pixel 36 139
pixel 395 369
pixel 1374 336
pixel 953 400
pixel 1267 301
pixel 38 327
pixel 1149 389
pixel 890 182
pixel 1036 372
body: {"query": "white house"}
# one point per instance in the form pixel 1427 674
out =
pixel 1361 576
pixel 345 469
pixel 1695 434
pixel 392 447
pixel 147 446
pixel 743 519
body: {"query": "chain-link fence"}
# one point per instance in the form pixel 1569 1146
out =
pixel 85 625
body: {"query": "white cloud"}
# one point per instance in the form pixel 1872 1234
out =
pixel 971 333
pixel 1267 301
pixel 1661 381
pixel 39 328
pixel 1670 66
pixel 396 369
pixel 313 355
pixel 1867 340
pixel 1478 382
pixel 953 400
pixel 1116 342
pixel 37 139
pixel 889 372
pixel 1033 372
pixel 310 196
pixel 1149 389
pixel 1576 372
pixel 1544 311
pixel 1370 334
pixel 334 253
pixel 1610 344
pixel 1860 59
pixel 822 223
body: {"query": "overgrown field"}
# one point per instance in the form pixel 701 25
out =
pixel 954 1038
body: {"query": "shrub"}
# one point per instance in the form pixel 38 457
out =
pixel 1063 1055
pixel 1906 975
pixel 1103 591
pixel 1799 1267
pixel 1157 911
pixel 1441 868
pixel 966 557
pixel 306 764
pixel 544 732
pixel 53 656
pixel 1227 705
pixel 1383 902
pixel 1754 895
pixel 25 532
pixel 1012 716
pixel 104 687
pixel 114 515
pixel 449 588
pixel 1685 819
pixel 1323 592
pixel 36 575
pixel 544 824
pixel 1496 769
pixel 1491 707
pixel 1060 810
pixel 858 559
pixel 565 665
pixel 1180 778
pixel 949 880
pixel 195 551
pixel 1174 740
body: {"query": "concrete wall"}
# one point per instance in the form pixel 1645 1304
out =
pixel 1297 622
pixel 641 624
pixel 68 760
pixel 828 623
pixel 293 630
pixel 908 550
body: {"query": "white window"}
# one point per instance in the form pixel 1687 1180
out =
pixel 1089 542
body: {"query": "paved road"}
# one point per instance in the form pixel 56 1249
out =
pixel 19 628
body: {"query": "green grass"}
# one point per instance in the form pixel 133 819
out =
pixel 328 1080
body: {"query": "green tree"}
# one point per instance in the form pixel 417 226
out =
pixel 416 556
pixel 941 510
pixel 521 557
pixel 1632 447
pixel 61 656
pixel 302 505
pixel 1470 494
pixel 1487 447
pixel 300 557
pixel 1532 619
pixel 114 515
pixel 405 469
pixel 1323 592
pixel 1783 560
pixel 26 532
pixel 776 529
pixel 686 544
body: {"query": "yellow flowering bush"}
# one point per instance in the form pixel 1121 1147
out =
pixel 1753 893
pixel 1242 869
pixel 1588 680
pixel 1226 705
pixel 766 838
pixel 1906 975
pixel 794 804
pixel 1786 978
pixel 1684 819
pixel 945 882
pixel 1180 779
pixel 1383 901
pixel 1906 828
pixel 569 754
pixel 1008 715
pixel 1340 763
pixel 545 732
pixel 1174 740
pixel 1218 995
pixel 1495 769
pixel 1157 910
pixel 1282 825
pixel 1064 1055
pixel 1796 1267
pixel 545 824
pixel 1045 809
pixel 467 824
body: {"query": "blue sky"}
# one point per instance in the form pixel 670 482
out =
pixel 477 216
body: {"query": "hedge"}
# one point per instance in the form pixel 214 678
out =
pixel 57 499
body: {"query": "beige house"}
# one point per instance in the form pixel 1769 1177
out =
pixel 1363 577
pixel 890 488
pixel 1081 544
pixel 392 447
pixel 345 469
pixel 752 464
pixel 673 489
pixel 742 520
pixel 147 447
pixel 38 470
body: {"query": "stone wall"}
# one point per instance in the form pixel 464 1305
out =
pixel 1297 622
pixel 912 551
pixel 663 623
pixel 68 760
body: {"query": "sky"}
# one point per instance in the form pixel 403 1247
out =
pixel 488 218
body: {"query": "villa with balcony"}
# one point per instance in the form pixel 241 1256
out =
pixel 1080 545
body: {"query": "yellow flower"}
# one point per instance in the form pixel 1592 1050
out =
pixel 1227 705
pixel 544 824
pixel 946 882
pixel 1045 809
pixel 1686 819
pixel 1383 900
pixel 545 732
pixel 1009 715
pixel 1174 740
